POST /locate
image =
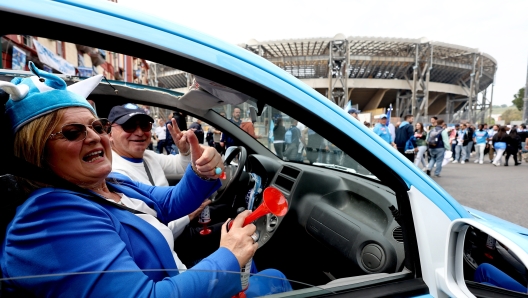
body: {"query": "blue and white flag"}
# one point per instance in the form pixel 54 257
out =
pixel 389 111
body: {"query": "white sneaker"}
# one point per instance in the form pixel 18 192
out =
pixel 476 161
pixel 496 164
pixel 481 162
pixel 424 169
pixel 462 162
pixel 454 161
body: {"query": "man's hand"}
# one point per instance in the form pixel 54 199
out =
pixel 204 160
pixel 197 212
pixel 178 136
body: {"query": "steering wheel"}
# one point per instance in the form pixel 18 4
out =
pixel 232 172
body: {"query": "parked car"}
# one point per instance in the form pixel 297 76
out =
pixel 363 220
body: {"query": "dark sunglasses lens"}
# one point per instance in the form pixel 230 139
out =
pixel 74 132
pixel 145 126
pixel 131 126
pixel 101 126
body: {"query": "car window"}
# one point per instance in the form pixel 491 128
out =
pixel 288 287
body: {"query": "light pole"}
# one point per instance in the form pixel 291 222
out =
pixel 525 100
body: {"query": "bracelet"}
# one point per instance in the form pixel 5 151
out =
pixel 186 153
pixel 204 179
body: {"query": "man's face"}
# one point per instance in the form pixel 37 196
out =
pixel 495 128
pixel 131 144
pixel 383 121
pixel 355 115
pixel 433 121
pixel 411 120
pixel 236 113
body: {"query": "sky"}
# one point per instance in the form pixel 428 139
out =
pixel 498 28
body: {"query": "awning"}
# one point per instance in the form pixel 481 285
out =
pixel 49 58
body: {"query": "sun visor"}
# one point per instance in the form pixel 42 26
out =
pixel 223 94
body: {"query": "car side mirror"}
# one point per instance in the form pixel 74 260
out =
pixel 485 260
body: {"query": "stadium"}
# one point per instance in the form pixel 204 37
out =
pixel 415 76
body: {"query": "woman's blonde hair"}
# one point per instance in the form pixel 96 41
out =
pixel 30 144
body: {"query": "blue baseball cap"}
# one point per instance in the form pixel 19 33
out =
pixel 354 111
pixel 383 116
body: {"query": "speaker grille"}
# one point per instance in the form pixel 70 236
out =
pixel 397 234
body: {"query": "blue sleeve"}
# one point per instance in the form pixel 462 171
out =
pixel 61 233
pixel 176 201
pixel 377 130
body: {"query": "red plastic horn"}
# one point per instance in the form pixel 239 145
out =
pixel 273 201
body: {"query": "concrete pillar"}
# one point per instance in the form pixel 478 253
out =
pixel 374 102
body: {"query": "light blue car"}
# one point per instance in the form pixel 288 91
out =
pixel 363 221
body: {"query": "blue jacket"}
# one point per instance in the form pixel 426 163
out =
pixel 57 231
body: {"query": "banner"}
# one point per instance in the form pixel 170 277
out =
pixel 48 57
pixel 85 71
pixel 19 59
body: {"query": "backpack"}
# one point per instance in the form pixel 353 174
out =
pixel 435 138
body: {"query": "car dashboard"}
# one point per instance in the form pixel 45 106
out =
pixel 348 214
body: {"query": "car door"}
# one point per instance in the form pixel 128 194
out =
pixel 420 200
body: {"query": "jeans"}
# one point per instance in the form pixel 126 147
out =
pixel 459 148
pixel 479 148
pixel 437 156
pixel 498 156
pixel 420 156
pixel 469 146
pixel 491 275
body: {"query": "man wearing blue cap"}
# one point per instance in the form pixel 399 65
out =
pixel 354 113
pixel 382 130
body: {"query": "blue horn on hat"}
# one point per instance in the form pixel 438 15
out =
pixel 44 93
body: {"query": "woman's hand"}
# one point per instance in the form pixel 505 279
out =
pixel 238 240
pixel 197 212
pixel 179 137
pixel 204 160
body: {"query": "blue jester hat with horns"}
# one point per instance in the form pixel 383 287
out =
pixel 38 95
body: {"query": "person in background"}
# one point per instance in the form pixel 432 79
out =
pixel 354 113
pixel 247 126
pixel 182 125
pixel 433 121
pixel 293 141
pixel 382 130
pixel 421 145
pixel 438 148
pixel 491 133
pixel 460 148
pixel 404 132
pixel 513 147
pixel 523 134
pixel 278 137
pixel 470 129
pixel 227 140
pixel 500 143
pixel 452 138
pixel 196 127
pixel 161 135
pixel 480 137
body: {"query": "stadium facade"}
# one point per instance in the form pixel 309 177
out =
pixel 415 76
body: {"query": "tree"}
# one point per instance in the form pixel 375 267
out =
pixel 518 99
pixel 511 115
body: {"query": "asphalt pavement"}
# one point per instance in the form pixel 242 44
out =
pixel 500 191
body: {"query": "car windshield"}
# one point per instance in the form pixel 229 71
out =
pixel 282 134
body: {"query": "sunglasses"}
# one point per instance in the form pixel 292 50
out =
pixel 75 132
pixel 131 125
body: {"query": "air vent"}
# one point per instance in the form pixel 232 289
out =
pixel 397 234
pixel 290 172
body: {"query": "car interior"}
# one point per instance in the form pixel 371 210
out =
pixel 346 227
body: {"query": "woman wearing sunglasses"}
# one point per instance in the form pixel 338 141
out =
pixel 101 223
